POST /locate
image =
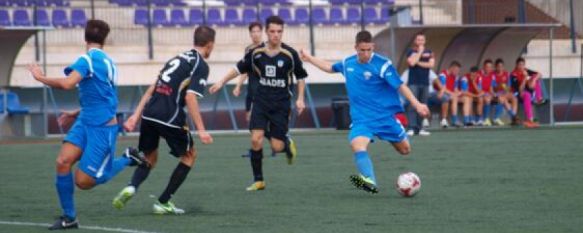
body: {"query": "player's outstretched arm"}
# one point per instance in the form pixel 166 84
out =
pixel 240 81
pixel 194 112
pixel 300 103
pixel 66 83
pixel 133 120
pixel 231 74
pixel 320 63
pixel 422 109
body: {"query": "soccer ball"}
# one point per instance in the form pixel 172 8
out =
pixel 408 184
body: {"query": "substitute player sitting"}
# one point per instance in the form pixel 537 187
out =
pixel 504 95
pixel 487 79
pixel 471 93
pixel 373 87
pixel 449 80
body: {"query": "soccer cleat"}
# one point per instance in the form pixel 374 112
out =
pixel 487 122
pixel 137 158
pixel 425 123
pixel 167 208
pixel 364 183
pixel 530 124
pixel 541 102
pixel 479 123
pixel 499 122
pixel 410 132
pixel 292 152
pixel 515 121
pixel 123 197
pixel 258 185
pixel 444 123
pixel 424 133
pixel 64 223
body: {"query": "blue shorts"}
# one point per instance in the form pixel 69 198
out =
pixel 433 100
pixel 388 130
pixel 97 144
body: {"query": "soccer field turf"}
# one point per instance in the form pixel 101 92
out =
pixel 507 180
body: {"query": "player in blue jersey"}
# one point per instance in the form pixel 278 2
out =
pixel 91 140
pixel 373 87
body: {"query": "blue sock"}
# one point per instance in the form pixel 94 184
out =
pixel 364 165
pixel 65 190
pixel 487 108
pixel 117 166
pixel 512 113
pixel 499 109
pixel 453 120
pixel 467 119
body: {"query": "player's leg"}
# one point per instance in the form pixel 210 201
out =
pixel 147 143
pixel 359 138
pixel 538 93
pixel 467 110
pixel 444 102
pixel 453 105
pixel 479 110
pixel 279 131
pixel 499 108
pixel 527 104
pixel 65 185
pixel 257 126
pixel 486 109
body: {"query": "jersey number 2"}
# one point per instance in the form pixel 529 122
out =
pixel 173 66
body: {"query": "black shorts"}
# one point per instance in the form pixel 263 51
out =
pixel 248 101
pixel 273 117
pixel 178 139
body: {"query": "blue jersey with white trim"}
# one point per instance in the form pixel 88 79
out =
pixel 373 88
pixel 97 88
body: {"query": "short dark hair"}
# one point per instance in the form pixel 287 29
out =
pixel 203 35
pixel 96 31
pixel 455 63
pixel 419 34
pixel 274 19
pixel 499 61
pixel 254 25
pixel 363 36
pixel 488 61
pixel 520 59
pixel 474 69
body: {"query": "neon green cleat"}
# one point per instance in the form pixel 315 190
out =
pixel 168 208
pixel 487 122
pixel 364 183
pixel 499 122
pixel 123 197
pixel 292 153
pixel 258 185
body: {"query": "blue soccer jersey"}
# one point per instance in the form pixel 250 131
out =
pixel 97 89
pixel 372 88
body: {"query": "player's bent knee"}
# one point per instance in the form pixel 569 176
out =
pixel 84 184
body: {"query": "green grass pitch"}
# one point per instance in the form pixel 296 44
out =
pixel 507 180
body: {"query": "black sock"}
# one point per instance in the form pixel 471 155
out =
pixel 256 157
pixel 178 176
pixel 140 174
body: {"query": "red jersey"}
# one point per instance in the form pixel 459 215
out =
pixel 502 81
pixel 487 79
pixel 517 78
pixel 473 84
pixel 448 80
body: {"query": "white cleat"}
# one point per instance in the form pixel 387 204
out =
pixel 444 123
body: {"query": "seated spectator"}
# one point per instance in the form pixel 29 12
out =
pixel 525 82
pixel 504 95
pixel 447 93
pixel 487 78
pixel 471 92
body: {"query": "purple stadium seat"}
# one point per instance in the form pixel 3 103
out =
pixel 319 16
pixel 178 18
pixel 141 2
pixel 268 2
pixel 60 18
pixel 177 2
pixel 195 16
pixel 4 18
pixel 160 18
pixel 250 2
pixel 354 2
pixel 284 2
pixel 41 3
pixel 265 13
pixel 232 17
pixel 59 2
pixel 160 2
pixel 19 3
pixel 232 2
pixel 249 16
pixel 353 15
pixel 385 15
pixel 124 2
pixel 336 16
pixel 337 2
pixel 141 17
pixel 4 2
pixel 78 18
pixel 302 16
pixel 42 18
pixel 285 14
pixel 214 17
pixel 370 15
pixel 20 18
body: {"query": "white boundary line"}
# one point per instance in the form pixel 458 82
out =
pixel 96 228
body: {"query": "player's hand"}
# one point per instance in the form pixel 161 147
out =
pixel 300 106
pixel 67 118
pixel 35 71
pixel 423 110
pixel 130 123
pixel 304 55
pixel 205 137
pixel 215 88
pixel 237 91
pixel 248 116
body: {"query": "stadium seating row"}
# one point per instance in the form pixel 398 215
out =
pixel 231 16
pixel 23 3
pixel 60 18
pixel 242 2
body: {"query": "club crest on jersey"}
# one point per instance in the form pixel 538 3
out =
pixel 280 63
pixel 202 82
pixel 367 75
pixel 270 71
